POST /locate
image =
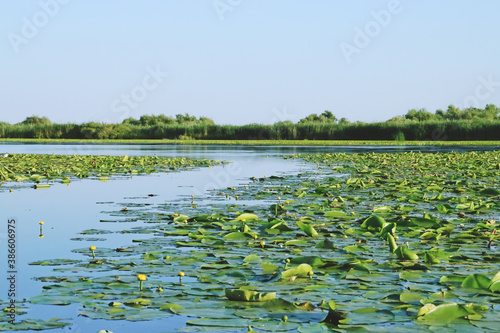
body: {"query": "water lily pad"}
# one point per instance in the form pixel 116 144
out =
pixel 247 217
pixel 300 271
pixel 404 253
pixel 307 228
pixel 374 222
pixel 476 281
pixel 443 313
pixel 248 295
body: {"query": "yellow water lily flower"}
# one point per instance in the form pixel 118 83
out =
pixel 180 274
pixel 92 248
pixel 141 278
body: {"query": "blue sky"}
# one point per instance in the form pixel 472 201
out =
pixel 245 61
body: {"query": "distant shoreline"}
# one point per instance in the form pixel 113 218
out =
pixel 259 142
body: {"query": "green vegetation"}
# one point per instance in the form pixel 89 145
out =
pixel 191 141
pixel 450 125
pixel 325 117
pixel 38 168
pixel 490 112
pixel 377 241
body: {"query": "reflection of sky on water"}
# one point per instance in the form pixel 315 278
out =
pixel 69 210
pixel 214 151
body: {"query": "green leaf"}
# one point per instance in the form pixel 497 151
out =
pixel 300 271
pixel 314 261
pixel 476 281
pixel 382 209
pixel 137 302
pixel 220 322
pixel 308 229
pixel 495 286
pixel 431 236
pixel 296 242
pixel 251 258
pixel 407 297
pixel 268 268
pixel 374 222
pixel 237 236
pixel 425 309
pixel 404 253
pixel 326 244
pixel 247 217
pixel 248 295
pixel 429 258
pixel 335 213
pixel 149 256
pixel 490 191
pixel 388 229
pixel 392 243
pixel 171 307
pixel 181 218
pixel 334 316
pixel 444 313
pixel 495 278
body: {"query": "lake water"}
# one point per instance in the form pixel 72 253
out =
pixel 69 210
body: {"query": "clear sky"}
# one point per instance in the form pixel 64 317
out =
pixel 245 61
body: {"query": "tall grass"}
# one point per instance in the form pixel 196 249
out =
pixel 425 130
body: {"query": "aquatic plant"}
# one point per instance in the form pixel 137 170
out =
pixel 141 278
pixel 92 249
pixel 369 241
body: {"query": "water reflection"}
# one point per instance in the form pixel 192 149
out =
pixel 214 151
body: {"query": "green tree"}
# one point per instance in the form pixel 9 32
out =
pixel 492 111
pixel 35 120
pixel 419 115
pixel 452 113
pixel 325 117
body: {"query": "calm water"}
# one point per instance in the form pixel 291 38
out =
pixel 69 210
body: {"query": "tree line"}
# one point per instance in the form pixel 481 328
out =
pixel 416 124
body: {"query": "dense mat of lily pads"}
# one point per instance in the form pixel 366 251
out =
pixel 377 242
pixel 39 168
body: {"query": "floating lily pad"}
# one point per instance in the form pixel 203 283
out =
pixel 248 295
